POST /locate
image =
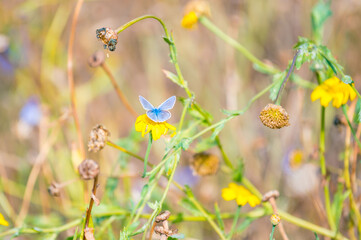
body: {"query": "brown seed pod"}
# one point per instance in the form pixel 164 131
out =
pixel 98 138
pixel 162 216
pixel 54 190
pixel 274 116
pixel 96 59
pixel 204 164
pixel 88 169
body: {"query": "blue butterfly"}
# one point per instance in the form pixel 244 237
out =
pixel 161 113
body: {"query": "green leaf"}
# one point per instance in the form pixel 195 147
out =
pixel 218 216
pixel 338 200
pixel 216 131
pixel 320 13
pixel 174 78
pixel 198 113
pixel 154 205
pixel 184 143
pixel 316 236
pixel 238 172
pixel 177 236
pixel 169 41
pixel 188 205
pixel 357 114
pixel 347 79
pixel 277 78
pixel 205 144
pixel 245 224
pixel 169 164
pixel 110 187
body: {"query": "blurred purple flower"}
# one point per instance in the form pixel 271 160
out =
pixel 184 176
pixel 30 113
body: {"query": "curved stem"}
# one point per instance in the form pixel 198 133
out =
pixel 118 90
pixel 266 68
pixel 278 99
pixel 110 143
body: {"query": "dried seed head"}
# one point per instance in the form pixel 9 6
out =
pixel 271 194
pixel 200 7
pixel 98 138
pixel 274 116
pixel 54 190
pixel 97 59
pixel 162 231
pixel 108 36
pixel 162 216
pixel 275 219
pixel 88 169
pixel 204 164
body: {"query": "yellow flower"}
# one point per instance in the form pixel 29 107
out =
pixel 240 194
pixel 3 221
pixel 333 89
pixel 145 125
pixel 193 10
pixel 189 20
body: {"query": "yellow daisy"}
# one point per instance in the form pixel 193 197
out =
pixel 193 10
pixel 145 125
pixel 333 89
pixel 241 194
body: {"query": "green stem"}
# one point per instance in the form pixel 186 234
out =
pixel 278 99
pixel 156 212
pixel 273 230
pixel 147 154
pixel 344 110
pixel 109 143
pixel 357 92
pixel 310 226
pixel 208 24
pixel 326 190
pixel 235 220
pixel 208 218
pixel 186 106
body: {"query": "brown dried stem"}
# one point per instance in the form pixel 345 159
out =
pixel 71 77
pixel 118 90
pixel 91 203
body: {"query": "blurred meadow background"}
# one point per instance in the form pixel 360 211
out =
pixel 38 143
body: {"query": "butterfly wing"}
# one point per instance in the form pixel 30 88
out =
pixel 163 115
pixel 146 105
pixel 167 104
pixel 153 115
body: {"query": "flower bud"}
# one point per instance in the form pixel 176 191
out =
pixel 275 219
pixel 274 116
pixel 204 164
pixel 88 169
pixel 98 138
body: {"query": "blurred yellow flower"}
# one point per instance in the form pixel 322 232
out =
pixel 193 10
pixel 3 221
pixel 240 194
pixel 189 20
pixel 145 125
pixel 333 89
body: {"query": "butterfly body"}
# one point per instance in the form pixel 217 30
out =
pixel 161 113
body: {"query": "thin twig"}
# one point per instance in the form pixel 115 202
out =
pixel 71 77
pixel 118 90
pixel 91 203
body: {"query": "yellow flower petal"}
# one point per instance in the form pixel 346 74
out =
pixel 145 125
pixel 3 221
pixel 325 100
pixel 189 20
pixel 228 194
